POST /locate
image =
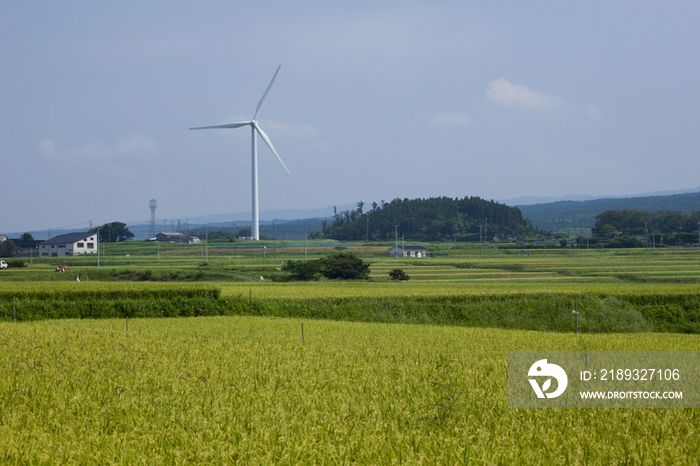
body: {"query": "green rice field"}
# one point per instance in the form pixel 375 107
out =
pixel 251 371
pixel 251 390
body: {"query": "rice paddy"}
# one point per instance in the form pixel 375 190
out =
pixel 227 390
pixel 271 390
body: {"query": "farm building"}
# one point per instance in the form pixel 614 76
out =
pixel 177 238
pixel 408 251
pixel 70 244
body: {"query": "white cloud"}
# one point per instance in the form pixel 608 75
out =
pixel 136 144
pixel 449 119
pixel 594 112
pixel 90 150
pixel 47 146
pixel 308 129
pixel 503 92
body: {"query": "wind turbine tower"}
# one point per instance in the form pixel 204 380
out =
pixel 254 127
pixel 152 230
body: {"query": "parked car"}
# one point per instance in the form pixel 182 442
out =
pixel 3 265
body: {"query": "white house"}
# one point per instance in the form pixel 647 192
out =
pixel 408 251
pixel 178 238
pixel 70 244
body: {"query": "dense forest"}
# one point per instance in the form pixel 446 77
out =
pixel 569 216
pixel 663 227
pixel 432 219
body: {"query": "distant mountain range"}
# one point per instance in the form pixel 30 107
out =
pixel 530 200
pixel 558 214
pixel 290 223
pixel 569 216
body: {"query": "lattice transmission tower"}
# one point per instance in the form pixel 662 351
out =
pixel 152 226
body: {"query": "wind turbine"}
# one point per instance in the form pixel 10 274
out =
pixel 254 127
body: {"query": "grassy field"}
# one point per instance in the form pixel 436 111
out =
pixel 466 264
pixel 662 285
pixel 252 390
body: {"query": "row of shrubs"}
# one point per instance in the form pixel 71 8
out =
pixel 552 312
pixel 549 312
pixel 16 263
pixel 111 303
pixel 110 294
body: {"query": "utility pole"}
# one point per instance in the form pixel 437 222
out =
pixel 304 242
pixel 396 241
pixel 274 238
pixel 206 245
pixel 362 250
pixel 481 244
pixel 646 230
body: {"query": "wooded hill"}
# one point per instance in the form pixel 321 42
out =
pixel 621 227
pixel 569 216
pixel 432 219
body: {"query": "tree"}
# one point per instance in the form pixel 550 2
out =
pixel 303 270
pixel 244 232
pixel 7 248
pixel 429 219
pixel 26 237
pixel 113 232
pixel 344 265
pixel 398 274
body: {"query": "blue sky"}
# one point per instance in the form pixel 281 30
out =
pixel 374 100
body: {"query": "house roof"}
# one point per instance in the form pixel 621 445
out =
pixel 23 243
pixel 410 248
pixel 68 238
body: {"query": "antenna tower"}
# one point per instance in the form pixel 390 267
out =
pixel 152 226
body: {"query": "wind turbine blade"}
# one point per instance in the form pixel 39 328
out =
pixel 237 124
pixel 262 101
pixel 269 144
